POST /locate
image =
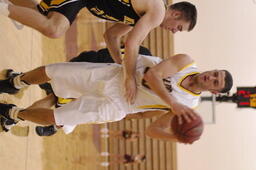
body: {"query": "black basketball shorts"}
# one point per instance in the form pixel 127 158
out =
pixel 68 8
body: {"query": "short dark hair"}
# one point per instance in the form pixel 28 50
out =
pixel 189 12
pixel 228 82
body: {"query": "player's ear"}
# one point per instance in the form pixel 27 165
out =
pixel 176 14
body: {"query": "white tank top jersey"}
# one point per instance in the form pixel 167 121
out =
pixel 182 95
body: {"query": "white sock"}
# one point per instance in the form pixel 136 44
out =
pixel 104 154
pixel 104 130
pixel 4 9
pixel 18 84
pixel 104 136
pixel 55 127
pixel 104 164
pixel 14 111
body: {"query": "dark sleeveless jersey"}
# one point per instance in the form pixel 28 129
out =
pixel 113 10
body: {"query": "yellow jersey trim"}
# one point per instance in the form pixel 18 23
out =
pixel 180 81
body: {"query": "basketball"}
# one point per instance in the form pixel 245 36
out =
pixel 187 132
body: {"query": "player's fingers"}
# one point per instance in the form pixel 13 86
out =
pixel 129 100
pixel 130 97
pixel 186 117
pixel 180 119
pixel 192 114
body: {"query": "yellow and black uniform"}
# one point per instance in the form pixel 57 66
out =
pixel 113 10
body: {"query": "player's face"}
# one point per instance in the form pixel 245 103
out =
pixel 213 81
pixel 174 22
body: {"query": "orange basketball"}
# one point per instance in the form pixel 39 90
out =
pixel 187 132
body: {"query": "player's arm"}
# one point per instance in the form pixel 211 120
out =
pixel 112 38
pixel 144 115
pixel 160 129
pixel 150 20
pixel 167 68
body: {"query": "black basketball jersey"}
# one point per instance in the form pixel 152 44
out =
pixel 113 10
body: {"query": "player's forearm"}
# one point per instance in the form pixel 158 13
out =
pixel 156 84
pixel 113 45
pixel 130 59
pixel 158 133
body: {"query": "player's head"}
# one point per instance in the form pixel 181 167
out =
pixel 215 81
pixel 181 16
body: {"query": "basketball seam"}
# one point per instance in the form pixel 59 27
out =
pixel 192 128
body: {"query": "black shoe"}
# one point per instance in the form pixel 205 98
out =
pixel 45 130
pixel 46 87
pixel 6 124
pixel 4 111
pixel 10 73
pixel 6 86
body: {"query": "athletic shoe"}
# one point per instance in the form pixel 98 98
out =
pixel 45 130
pixel 6 86
pixel 4 111
pixel 6 124
pixel 10 73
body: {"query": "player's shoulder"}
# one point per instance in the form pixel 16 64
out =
pixel 181 60
pixel 155 8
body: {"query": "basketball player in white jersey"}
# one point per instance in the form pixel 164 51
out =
pixel 96 90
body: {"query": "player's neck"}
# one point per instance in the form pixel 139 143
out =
pixel 190 84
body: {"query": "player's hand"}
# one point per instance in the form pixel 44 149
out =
pixel 183 111
pixel 130 89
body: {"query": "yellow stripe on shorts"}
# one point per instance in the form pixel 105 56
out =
pixel 156 106
pixel 64 101
pixel 57 2
pixel 44 5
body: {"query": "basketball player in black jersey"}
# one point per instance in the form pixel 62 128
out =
pixel 138 17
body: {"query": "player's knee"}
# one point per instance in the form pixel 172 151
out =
pixel 53 31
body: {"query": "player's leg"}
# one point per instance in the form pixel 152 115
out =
pixel 16 82
pixel 25 3
pixel 42 116
pixel 54 25
pixel 56 20
pixel 46 102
